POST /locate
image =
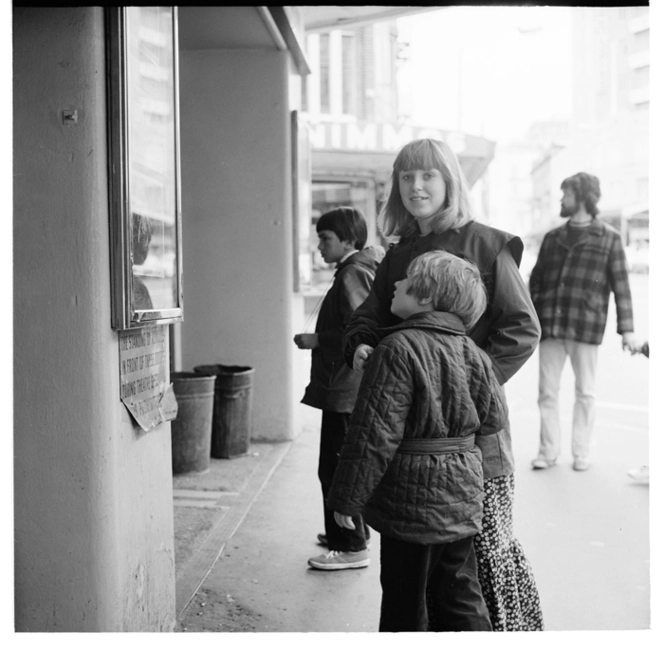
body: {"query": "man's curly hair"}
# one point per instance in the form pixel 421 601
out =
pixel 586 190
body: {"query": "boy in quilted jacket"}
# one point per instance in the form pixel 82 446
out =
pixel 409 463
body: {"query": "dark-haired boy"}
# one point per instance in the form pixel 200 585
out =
pixel 342 234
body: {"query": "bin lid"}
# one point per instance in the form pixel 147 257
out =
pixel 221 369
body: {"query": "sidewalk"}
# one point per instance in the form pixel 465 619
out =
pixel 208 509
pixel 261 581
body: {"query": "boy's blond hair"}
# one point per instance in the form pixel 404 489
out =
pixel 453 284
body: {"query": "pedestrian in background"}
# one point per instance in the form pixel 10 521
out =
pixel 429 208
pixel 578 266
pixel 333 386
pixel 410 463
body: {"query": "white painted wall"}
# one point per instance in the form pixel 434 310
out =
pixel 92 494
pixel 237 223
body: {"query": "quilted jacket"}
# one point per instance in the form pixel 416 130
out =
pixel 508 331
pixel 571 286
pixel 333 385
pixel 426 379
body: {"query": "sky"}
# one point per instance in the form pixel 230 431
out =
pixel 516 67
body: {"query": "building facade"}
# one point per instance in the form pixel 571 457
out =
pixel 94 548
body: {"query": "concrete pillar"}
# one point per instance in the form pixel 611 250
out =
pixel 92 496
pixel 237 223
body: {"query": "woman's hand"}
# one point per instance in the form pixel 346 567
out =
pixel 344 521
pixel 306 340
pixel 362 353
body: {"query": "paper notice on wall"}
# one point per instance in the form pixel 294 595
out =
pixel 143 373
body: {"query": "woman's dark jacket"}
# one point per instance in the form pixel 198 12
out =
pixel 425 380
pixel 508 331
pixel 333 385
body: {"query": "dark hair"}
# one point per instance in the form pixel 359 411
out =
pixel 426 154
pixel 141 237
pixel 453 284
pixel 586 190
pixel 348 224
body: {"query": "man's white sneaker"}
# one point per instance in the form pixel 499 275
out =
pixel 640 475
pixel 581 463
pixel 542 464
pixel 336 560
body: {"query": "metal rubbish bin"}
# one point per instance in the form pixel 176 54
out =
pixel 231 420
pixel 191 431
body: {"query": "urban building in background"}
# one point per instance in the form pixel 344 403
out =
pixel 609 127
pixel 358 112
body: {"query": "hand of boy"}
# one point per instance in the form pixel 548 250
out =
pixel 362 353
pixel 306 340
pixel 344 521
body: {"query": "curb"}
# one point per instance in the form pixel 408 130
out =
pixel 233 510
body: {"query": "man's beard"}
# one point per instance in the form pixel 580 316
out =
pixel 569 211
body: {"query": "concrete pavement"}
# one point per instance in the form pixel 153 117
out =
pixel 585 533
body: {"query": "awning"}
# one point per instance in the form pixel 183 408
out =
pixel 319 19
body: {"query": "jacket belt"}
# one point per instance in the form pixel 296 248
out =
pixel 437 445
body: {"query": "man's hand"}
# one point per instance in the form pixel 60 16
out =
pixel 362 353
pixel 344 521
pixel 631 343
pixel 306 340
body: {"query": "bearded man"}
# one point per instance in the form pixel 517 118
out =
pixel 578 266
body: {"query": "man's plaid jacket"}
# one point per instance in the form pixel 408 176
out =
pixel 570 285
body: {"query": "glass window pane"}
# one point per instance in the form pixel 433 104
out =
pixel 151 153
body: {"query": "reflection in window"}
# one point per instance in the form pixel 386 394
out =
pixel 325 105
pixel 141 236
pixel 152 165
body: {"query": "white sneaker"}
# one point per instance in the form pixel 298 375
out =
pixel 542 464
pixel 336 560
pixel 640 475
pixel 581 463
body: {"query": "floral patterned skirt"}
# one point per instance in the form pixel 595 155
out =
pixel 506 578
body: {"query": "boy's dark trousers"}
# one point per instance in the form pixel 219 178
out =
pixel 332 433
pixel 430 587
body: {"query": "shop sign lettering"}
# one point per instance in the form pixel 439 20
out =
pixel 372 136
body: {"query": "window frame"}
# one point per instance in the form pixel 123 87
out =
pixel 125 314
